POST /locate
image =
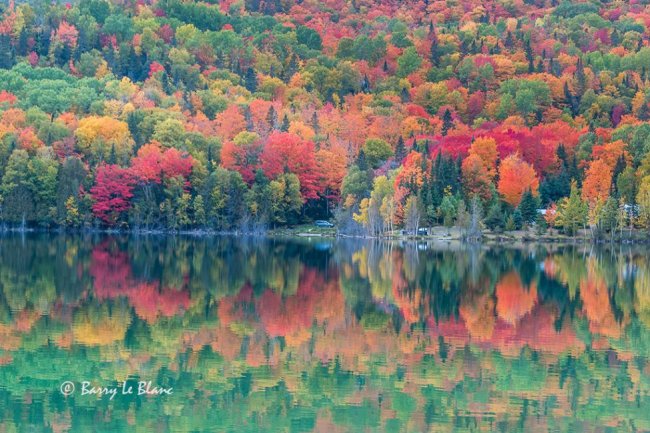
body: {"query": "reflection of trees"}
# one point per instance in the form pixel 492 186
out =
pixel 294 337
pixel 514 300
pixel 99 325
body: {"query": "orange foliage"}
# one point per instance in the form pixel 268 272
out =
pixel 486 149
pixel 611 152
pixel 230 122
pixel 332 163
pixel 514 300
pixel 28 140
pixel 515 177
pixel 411 176
pixel 476 179
pixel 597 183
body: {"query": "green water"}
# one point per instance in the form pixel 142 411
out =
pixel 286 336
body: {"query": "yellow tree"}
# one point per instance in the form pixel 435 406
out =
pixel 643 200
pixel 100 137
pixel 486 149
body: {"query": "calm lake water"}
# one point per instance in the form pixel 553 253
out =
pixel 289 336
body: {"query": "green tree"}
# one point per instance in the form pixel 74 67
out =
pixel 572 211
pixel 71 176
pixel 376 151
pixel 176 204
pixel 286 200
pixel 494 219
pixel 528 207
pixel 16 189
pixel 608 218
pixel 408 62
pixel 226 207
pixel 258 199
pixel 198 210
pixel 447 210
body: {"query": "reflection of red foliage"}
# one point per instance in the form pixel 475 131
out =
pixel 284 316
pixel 318 298
pixel 233 308
pixel 112 274
pixel 535 330
pixel 149 302
pixel 110 269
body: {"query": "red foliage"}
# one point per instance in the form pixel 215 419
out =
pixel 166 33
pixel 146 165
pixel 175 163
pixel 151 163
pixel 112 191
pixel 29 140
pixel 7 97
pixel 242 158
pixel 412 175
pixel 286 152
pixel 67 34
pixel 155 67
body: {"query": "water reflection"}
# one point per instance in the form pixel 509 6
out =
pixel 265 336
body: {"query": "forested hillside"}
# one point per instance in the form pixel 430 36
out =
pixel 382 114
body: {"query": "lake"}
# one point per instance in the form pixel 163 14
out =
pixel 258 335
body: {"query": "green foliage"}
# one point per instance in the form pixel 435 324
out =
pixel 286 200
pixel 528 207
pixel 572 212
pixel 495 219
pixel 408 62
pixel 377 151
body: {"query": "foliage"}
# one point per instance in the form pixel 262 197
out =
pixel 430 97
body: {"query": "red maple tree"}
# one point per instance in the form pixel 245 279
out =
pixel 111 193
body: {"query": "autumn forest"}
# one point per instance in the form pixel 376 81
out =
pixel 379 115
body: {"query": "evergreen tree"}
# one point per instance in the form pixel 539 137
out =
pixel 529 55
pixel 7 55
pixel 198 210
pixel 400 150
pixel 248 117
pixel 517 219
pixel 250 80
pixel 618 169
pixel 272 118
pixel 314 123
pixel 435 52
pixel 494 220
pixel 285 124
pixel 404 95
pixel 528 207
pixel 447 122
pixel 362 163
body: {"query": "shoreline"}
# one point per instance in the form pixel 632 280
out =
pixel 442 235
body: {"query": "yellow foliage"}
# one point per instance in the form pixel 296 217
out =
pixel 98 134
